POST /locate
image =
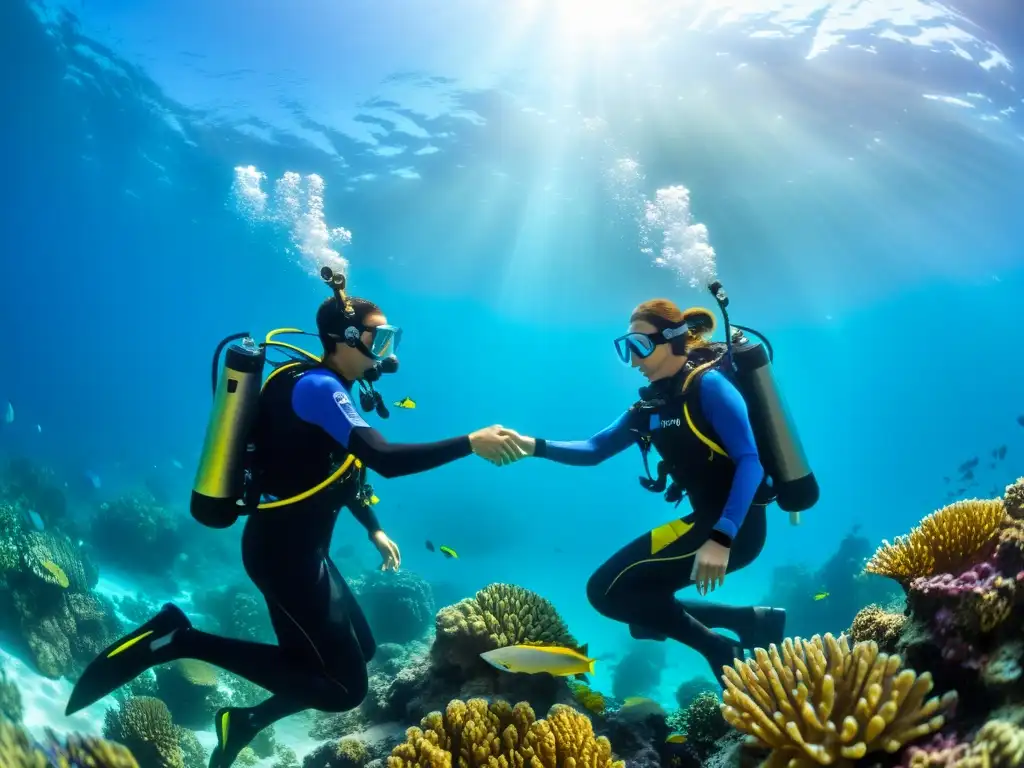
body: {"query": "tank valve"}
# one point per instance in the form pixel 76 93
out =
pixel 719 293
pixel 794 518
pixel 332 278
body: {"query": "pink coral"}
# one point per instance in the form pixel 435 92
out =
pixel 940 752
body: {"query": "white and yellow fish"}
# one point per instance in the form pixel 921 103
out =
pixel 536 659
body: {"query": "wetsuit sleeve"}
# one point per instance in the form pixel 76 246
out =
pixel 366 516
pixel 613 439
pixel 724 407
pixel 321 399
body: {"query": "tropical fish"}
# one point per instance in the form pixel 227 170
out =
pixel 968 465
pixel 968 475
pixel 430 546
pixel 406 402
pixel 9 413
pixel 39 428
pixel 449 552
pixel 537 659
pixel 92 479
pixel 176 464
pixel 1002 452
pixel 821 596
pixel 36 520
pixel 1020 420
pixel 676 738
pixel 640 708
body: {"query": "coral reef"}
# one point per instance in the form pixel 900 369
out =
pixel 475 734
pixel 639 670
pixel 821 702
pixel 47 595
pixel 499 615
pixel 192 752
pixel 189 689
pixel 19 750
pixel 703 724
pixel 144 725
pixel 883 627
pixel 826 599
pixel 235 611
pixel 344 753
pixel 1013 499
pixel 398 606
pixel 943 542
pixel 10 700
pixel 689 690
pixel 32 488
pixel 136 534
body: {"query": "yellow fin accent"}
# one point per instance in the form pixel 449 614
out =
pixel 374 499
pixel 224 730
pixel 667 534
pixel 128 644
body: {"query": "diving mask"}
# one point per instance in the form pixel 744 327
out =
pixel 642 344
pixel 383 344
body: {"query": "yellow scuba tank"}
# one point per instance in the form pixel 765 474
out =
pixel 782 454
pixel 219 488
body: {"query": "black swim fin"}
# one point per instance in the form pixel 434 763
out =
pixel 127 658
pixel 234 729
pixel 768 626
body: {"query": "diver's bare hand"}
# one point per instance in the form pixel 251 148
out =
pixel 389 551
pixel 709 566
pixel 489 443
pixel 527 444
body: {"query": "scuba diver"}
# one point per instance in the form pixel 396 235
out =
pixel 716 418
pixel 289 453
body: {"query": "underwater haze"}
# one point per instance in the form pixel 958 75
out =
pixel 507 180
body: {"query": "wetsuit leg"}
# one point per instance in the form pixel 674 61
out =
pixel 637 585
pixel 361 627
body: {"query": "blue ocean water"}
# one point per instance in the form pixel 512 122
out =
pixel 858 168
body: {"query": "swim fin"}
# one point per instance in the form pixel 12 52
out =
pixel 234 729
pixel 127 658
pixel 767 626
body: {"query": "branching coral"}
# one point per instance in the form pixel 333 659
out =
pixel 944 541
pixel 980 599
pixel 874 623
pixel 702 722
pixel 192 751
pixel 474 735
pixel 820 703
pixel 18 750
pixel 999 744
pixel 499 615
pixel 144 726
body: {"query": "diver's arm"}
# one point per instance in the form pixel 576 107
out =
pixel 319 398
pixel 613 439
pixel 723 406
pixel 398 459
pixel 366 516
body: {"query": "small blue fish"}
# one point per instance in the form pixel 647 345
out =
pixel 9 413
pixel 36 520
pixel 92 479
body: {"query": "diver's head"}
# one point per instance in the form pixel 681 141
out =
pixel 660 336
pixel 355 335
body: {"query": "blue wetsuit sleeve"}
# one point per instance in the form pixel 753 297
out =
pixel 321 399
pixel 613 439
pixel 724 407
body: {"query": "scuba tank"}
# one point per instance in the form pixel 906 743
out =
pixel 220 483
pixel 782 454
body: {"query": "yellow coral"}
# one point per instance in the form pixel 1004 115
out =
pixel 944 541
pixel 821 703
pixel 589 699
pixel 353 751
pixel 1000 744
pixel 59 577
pixel 17 750
pixel 144 725
pixel 874 623
pixel 504 614
pixel 197 672
pixel 993 607
pixel 474 734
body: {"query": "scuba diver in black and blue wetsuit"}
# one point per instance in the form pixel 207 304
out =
pixel 715 416
pixel 289 453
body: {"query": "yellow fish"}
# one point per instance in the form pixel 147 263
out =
pixel 821 596
pixel 676 738
pixel 449 552
pixel 535 659
pixel 405 402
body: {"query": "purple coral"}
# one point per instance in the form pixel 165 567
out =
pixel 942 751
pixel 978 580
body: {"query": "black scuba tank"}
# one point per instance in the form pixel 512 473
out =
pixel 782 453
